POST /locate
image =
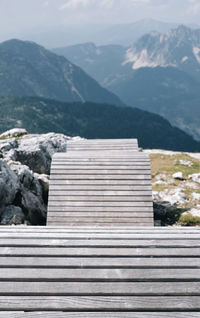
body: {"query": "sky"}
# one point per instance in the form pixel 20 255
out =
pixel 23 15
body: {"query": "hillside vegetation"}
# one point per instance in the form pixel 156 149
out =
pixel 90 120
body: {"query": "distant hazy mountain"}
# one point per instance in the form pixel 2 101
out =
pixel 91 120
pixel 159 73
pixel 27 69
pixel 125 34
pixel 101 62
pixel 104 34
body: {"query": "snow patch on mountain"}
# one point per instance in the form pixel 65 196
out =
pixel 196 51
pixel 184 59
pixel 144 59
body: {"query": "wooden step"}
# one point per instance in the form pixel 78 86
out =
pixel 122 272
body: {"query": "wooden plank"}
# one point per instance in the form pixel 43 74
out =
pixel 100 177
pixel 99 182
pixel 100 193
pixel 57 314
pixel 103 209
pixel 89 163
pixel 100 204
pixel 183 303
pixel 103 252
pixel 99 288
pixel 94 242
pixel 100 214
pixel 98 243
pixel 94 274
pixel 100 198
pixel 116 262
pixel 100 187
pixel 99 219
pixel 101 224
pixel 106 230
pixel 101 171
pixel 101 235
pixel 98 167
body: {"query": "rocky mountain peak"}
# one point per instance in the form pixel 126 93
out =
pixel 173 48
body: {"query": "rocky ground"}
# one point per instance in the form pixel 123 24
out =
pixel 25 161
pixel 176 187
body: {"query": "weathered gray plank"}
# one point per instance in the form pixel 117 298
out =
pixel 100 182
pixel 120 198
pixel 101 187
pixel 182 303
pixel 65 251
pixel 99 274
pixel 117 262
pixel 106 230
pixel 66 167
pixel 101 224
pixel 98 219
pixel 88 163
pixel 100 171
pixel 112 235
pixel 102 209
pixel 29 241
pixel 100 214
pixel 95 314
pixel 100 193
pixel 101 204
pixel 99 288
pixel 100 314
pixel 100 177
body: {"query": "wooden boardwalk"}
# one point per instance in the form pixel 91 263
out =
pixel 93 272
pixel 103 260
pixel 101 182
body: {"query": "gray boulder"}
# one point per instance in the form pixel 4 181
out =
pixel 9 184
pixel 36 151
pixel 30 197
pixel 11 215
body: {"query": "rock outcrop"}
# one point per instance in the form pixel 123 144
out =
pixel 24 173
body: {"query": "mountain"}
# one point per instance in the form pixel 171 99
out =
pixel 100 62
pixel 90 120
pixel 159 73
pixel 125 34
pixel 101 34
pixel 27 69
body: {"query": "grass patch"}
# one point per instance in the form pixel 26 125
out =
pixel 189 220
pixel 166 164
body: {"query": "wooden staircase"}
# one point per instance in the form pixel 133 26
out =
pixel 93 186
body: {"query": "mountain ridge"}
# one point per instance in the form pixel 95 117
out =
pixel 90 120
pixel 27 68
pixel 159 73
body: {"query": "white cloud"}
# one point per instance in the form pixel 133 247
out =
pixel 46 4
pixel 74 4
pixel 106 4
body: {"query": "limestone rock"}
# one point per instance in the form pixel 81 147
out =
pixel 195 177
pixel 186 163
pixel 24 169
pixel 178 176
pixel 36 151
pixel 174 196
pixel 15 132
pixel 196 196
